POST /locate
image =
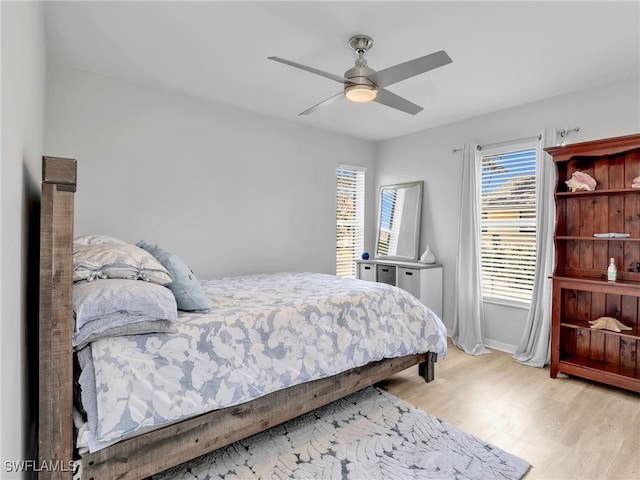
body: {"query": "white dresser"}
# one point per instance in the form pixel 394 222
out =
pixel 423 281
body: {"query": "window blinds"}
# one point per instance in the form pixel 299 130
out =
pixel 508 205
pixel 350 219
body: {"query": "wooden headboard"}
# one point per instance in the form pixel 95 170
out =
pixel 55 429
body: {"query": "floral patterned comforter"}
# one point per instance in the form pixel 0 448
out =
pixel 263 333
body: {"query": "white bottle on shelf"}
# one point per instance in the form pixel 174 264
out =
pixel 612 271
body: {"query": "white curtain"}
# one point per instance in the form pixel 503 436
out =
pixel 468 316
pixel 533 349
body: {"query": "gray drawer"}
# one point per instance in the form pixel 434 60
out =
pixel 386 274
pixel 367 272
pixel 409 280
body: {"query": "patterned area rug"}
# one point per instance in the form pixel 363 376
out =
pixel 367 435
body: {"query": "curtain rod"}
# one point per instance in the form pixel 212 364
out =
pixel 506 142
pixel 509 142
pixel 564 133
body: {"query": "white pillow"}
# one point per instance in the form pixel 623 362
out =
pixel 96 240
pixel 117 260
pixel 108 308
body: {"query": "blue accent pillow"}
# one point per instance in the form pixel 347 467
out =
pixel 185 286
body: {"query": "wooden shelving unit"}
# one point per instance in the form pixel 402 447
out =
pixel 581 292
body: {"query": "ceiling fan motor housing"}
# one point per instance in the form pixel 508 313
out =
pixel 358 87
pixel 358 75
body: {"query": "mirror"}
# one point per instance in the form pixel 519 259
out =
pixel 399 215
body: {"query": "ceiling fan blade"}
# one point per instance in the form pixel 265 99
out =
pixel 392 100
pixel 328 75
pixel 323 103
pixel 402 71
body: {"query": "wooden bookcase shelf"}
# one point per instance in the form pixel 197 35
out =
pixel 611 374
pixel 584 324
pixel 598 239
pixel 623 287
pixel 581 292
pixel 598 192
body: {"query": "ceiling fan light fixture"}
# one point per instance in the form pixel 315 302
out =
pixel 361 93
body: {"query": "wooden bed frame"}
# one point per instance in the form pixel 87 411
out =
pixel 149 453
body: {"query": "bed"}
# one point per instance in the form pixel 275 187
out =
pixel 264 389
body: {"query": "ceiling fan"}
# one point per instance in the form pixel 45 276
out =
pixel 363 84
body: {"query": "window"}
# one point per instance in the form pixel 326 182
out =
pixel 350 218
pixel 508 223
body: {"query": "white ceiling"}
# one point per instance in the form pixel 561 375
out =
pixel 504 53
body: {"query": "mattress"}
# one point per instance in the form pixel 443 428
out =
pixel 263 333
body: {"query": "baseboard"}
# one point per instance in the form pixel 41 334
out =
pixel 503 347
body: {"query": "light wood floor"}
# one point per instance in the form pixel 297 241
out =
pixel 566 428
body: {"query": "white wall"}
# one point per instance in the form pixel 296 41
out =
pixel 602 112
pixel 228 191
pixel 23 65
pixel 233 192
